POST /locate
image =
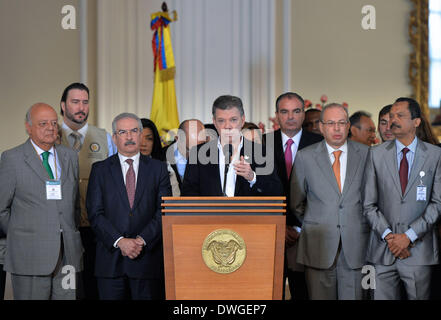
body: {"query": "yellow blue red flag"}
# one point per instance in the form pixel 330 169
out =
pixel 164 106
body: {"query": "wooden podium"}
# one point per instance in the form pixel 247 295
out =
pixel 193 228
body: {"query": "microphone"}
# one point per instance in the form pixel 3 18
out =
pixel 228 152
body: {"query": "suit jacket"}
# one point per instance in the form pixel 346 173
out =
pixel 111 217
pixel 31 222
pixel 203 179
pixel 306 140
pixel 386 207
pixel 327 214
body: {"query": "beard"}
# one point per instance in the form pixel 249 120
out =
pixel 71 116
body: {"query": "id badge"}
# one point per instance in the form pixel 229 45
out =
pixel 53 190
pixel 421 193
pixel 421 189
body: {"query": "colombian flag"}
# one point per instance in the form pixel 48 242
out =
pixel 164 107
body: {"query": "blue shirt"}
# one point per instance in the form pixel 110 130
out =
pixel 181 161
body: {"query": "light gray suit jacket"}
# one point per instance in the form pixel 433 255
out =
pixel 32 223
pixel 386 207
pixel 327 214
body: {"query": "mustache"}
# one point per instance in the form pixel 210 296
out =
pixel 130 143
pixel 395 125
pixel 80 112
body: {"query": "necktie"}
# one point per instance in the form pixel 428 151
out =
pixel 404 170
pixel 336 167
pixel 130 182
pixel 288 157
pixel 46 164
pixel 77 140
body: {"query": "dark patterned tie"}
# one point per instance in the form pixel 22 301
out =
pixel 404 170
pixel 77 140
pixel 130 182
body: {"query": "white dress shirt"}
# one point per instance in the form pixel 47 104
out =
pixel 343 160
pixel 294 146
pixel 125 166
pixel 52 159
pixel 230 186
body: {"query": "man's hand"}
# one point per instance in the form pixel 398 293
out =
pixel 397 243
pixel 130 247
pixel 291 236
pixel 244 169
pixel 404 254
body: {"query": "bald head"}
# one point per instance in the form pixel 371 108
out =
pixel 191 133
pixel 41 125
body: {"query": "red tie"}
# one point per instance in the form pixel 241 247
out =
pixel 404 170
pixel 130 182
pixel 288 158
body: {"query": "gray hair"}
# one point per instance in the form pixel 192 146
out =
pixel 126 115
pixel 333 105
pixel 28 116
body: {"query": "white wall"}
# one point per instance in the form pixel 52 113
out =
pixel 333 55
pixel 38 59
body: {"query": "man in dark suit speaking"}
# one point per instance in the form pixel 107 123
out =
pixel 231 165
pixel 124 208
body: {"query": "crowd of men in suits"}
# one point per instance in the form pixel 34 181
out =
pixel 77 196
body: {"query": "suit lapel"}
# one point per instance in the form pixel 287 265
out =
pixel 325 165
pixel 32 159
pixel 392 165
pixel 116 172
pixel 63 160
pixel 418 163
pixel 279 154
pixel 353 162
pixel 141 180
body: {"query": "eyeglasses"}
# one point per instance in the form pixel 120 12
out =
pixel 126 132
pixel 333 123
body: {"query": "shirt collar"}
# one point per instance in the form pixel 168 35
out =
pixel 296 138
pixel 411 147
pixel 68 130
pixel 123 159
pixel 39 150
pixel 343 148
pixel 221 150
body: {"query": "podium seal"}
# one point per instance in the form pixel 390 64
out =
pixel 224 251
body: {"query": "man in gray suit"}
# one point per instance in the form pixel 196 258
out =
pixel 39 211
pixel 326 198
pixel 402 202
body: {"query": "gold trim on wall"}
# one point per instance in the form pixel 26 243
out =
pixel 419 58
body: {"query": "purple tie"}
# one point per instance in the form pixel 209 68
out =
pixel 404 170
pixel 130 182
pixel 288 158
